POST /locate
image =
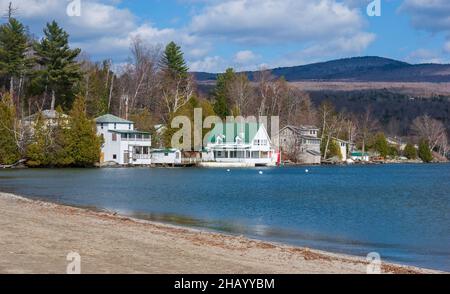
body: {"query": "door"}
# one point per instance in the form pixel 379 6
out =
pixel 126 157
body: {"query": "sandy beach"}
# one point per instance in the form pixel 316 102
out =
pixel 35 237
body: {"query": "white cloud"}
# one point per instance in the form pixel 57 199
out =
pixel 245 57
pixel 212 64
pixel 424 56
pixel 273 21
pixel 447 47
pixel 429 15
pixel 321 27
pixel 432 16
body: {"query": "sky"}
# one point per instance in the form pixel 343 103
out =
pixel 249 34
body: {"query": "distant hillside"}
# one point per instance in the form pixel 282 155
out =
pixel 357 69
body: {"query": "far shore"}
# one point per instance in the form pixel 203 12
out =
pixel 36 236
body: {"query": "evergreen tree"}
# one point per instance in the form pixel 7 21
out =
pixel 60 71
pixel 9 151
pixel 48 144
pixel 425 152
pixel 37 151
pixel 13 48
pixel 82 145
pixel 381 145
pixel 173 62
pixel 410 151
pixel 221 93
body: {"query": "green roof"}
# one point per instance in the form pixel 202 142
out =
pixel 232 130
pixel 132 132
pixel 359 154
pixel 109 118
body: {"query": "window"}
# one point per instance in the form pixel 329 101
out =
pixel 114 156
pixel 146 150
pixel 114 137
pixel 101 125
pixel 129 126
pixel 166 154
pixel 115 126
pixel 256 142
pixel 124 136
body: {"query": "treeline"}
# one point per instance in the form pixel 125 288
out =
pixel 154 86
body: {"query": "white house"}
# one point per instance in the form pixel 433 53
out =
pixel 240 145
pixel 122 144
pixel 166 157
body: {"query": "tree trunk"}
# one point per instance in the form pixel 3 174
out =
pixel 110 93
pixel 11 87
pixel 52 107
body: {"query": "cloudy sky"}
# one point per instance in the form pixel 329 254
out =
pixel 249 34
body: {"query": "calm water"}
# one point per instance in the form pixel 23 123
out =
pixel 400 211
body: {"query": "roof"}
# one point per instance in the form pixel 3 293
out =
pixel 109 118
pixel 303 128
pixel 359 154
pixel 232 130
pixel 314 152
pixel 129 132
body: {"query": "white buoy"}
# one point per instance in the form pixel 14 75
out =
pixel 306 170
pixel 260 172
pixel 228 170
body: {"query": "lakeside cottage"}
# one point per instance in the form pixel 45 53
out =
pixel 166 157
pixel 240 145
pixel 122 144
pixel 300 144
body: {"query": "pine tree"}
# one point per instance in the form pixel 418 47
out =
pixel 173 62
pixel 60 71
pixel 221 93
pixel 37 151
pixel 13 48
pixel 425 152
pixel 82 145
pixel 9 151
pixel 410 151
pixel 381 145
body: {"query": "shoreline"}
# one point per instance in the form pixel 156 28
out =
pixel 36 236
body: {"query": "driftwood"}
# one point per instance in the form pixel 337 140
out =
pixel 13 165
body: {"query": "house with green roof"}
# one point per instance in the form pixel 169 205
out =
pixel 239 144
pixel 122 144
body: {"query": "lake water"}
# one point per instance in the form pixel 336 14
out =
pixel 399 211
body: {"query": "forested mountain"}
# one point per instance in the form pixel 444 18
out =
pixel 363 69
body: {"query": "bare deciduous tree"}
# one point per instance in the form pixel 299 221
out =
pixel 429 129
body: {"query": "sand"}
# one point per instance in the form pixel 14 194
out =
pixel 35 237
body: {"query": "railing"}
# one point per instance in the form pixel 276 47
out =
pixel 136 139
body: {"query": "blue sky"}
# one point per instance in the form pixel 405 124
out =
pixel 250 34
